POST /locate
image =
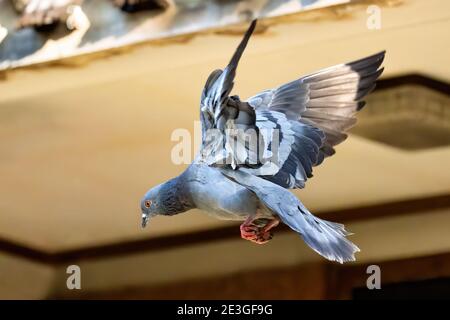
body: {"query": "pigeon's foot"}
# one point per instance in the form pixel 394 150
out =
pixel 258 230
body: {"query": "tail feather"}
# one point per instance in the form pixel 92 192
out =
pixel 326 238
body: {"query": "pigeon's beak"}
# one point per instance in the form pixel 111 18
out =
pixel 145 217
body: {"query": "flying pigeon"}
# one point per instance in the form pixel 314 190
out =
pixel 246 177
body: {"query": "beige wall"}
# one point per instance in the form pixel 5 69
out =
pixel 419 234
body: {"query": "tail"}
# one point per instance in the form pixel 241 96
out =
pixel 326 238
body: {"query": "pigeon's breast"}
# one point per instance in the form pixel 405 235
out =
pixel 218 196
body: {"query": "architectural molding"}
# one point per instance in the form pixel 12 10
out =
pixel 396 208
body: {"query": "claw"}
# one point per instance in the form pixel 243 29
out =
pixel 258 230
pixel 249 232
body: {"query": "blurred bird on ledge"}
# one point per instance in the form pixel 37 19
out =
pixel 44 15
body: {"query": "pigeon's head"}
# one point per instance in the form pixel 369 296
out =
pixel 166 199
pixel 151 204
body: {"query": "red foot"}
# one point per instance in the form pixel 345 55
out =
pixel 249 232
pixel 256 231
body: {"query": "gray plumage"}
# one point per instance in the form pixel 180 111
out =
pixel 297 126
pixel 324 237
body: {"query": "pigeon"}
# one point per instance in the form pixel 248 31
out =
pixel 247 176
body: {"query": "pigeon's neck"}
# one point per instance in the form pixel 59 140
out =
pixel 175 197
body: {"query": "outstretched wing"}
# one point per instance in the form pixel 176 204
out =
pixel 326 101
pixel 218 87
pixel 282 133
pixel 227 122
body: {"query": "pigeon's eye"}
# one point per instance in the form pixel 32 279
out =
pixel 148 203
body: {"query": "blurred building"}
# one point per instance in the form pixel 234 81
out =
pixel 88 104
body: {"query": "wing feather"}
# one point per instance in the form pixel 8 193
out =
pixel 326 100
pixel 297 124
